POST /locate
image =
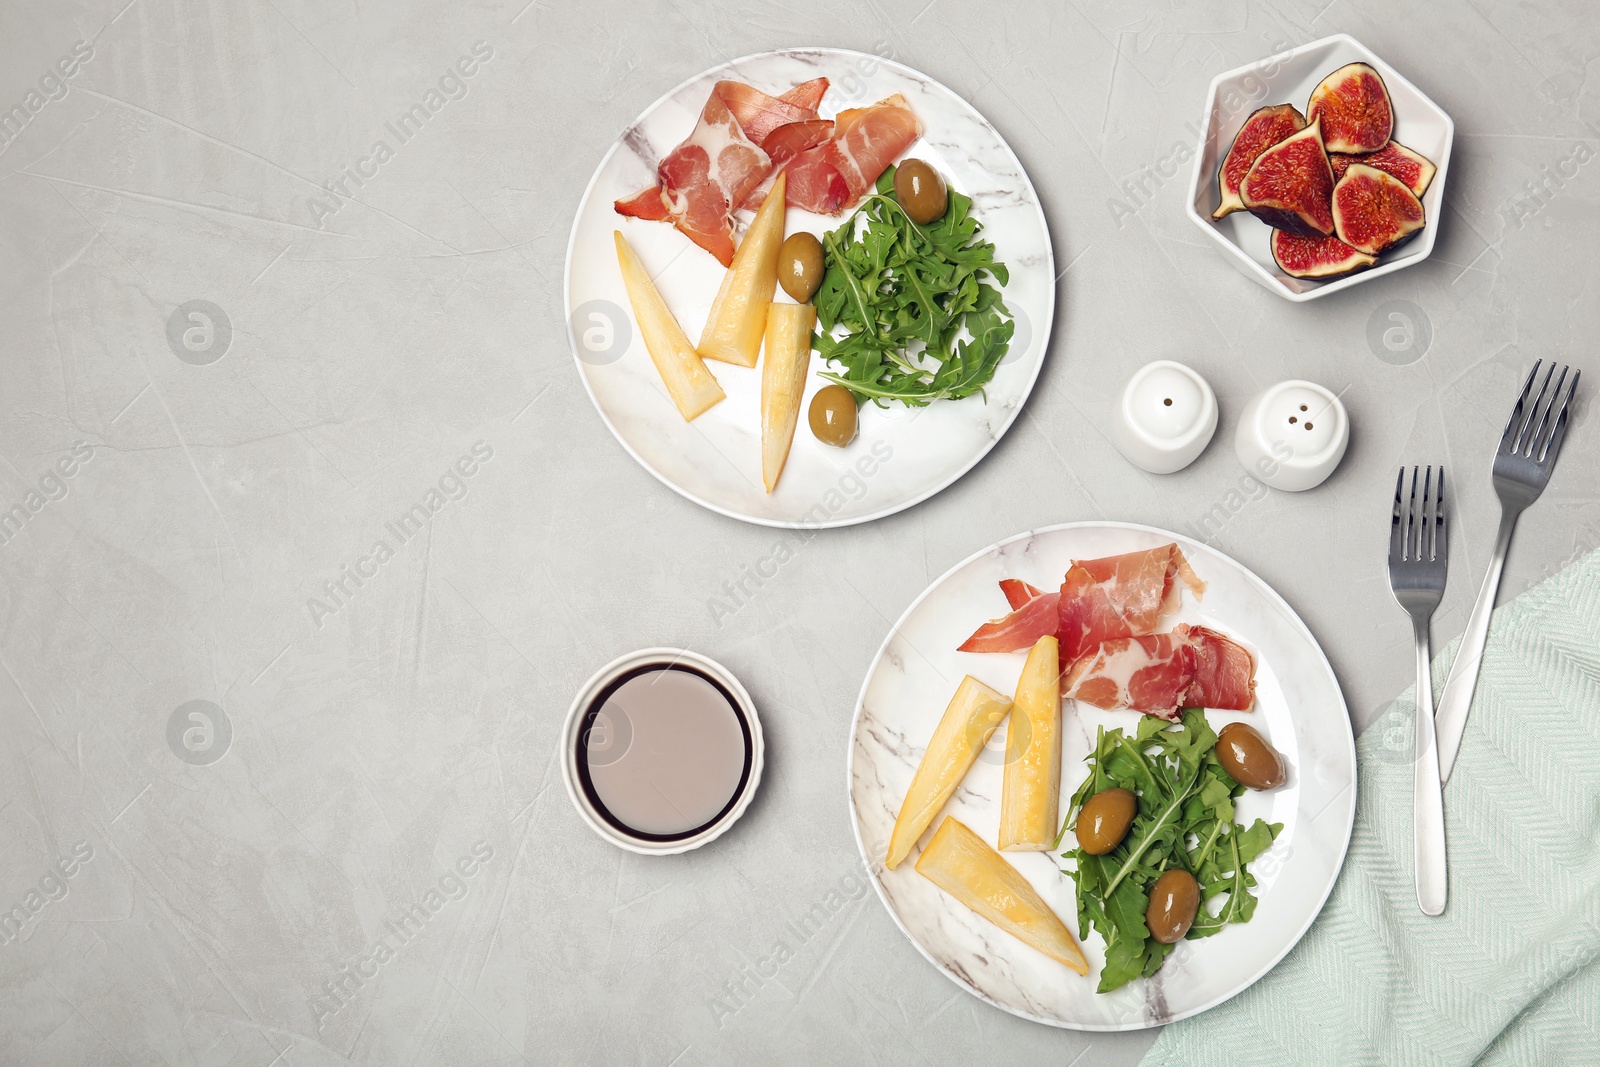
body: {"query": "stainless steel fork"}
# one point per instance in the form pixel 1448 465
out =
pixel 1418 553
pixel 1522 466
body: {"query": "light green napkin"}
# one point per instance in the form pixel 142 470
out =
pixel 1510 974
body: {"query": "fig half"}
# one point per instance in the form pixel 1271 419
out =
pixel 1290 185
pixel 1264 128
pixel 1373 210
pixel 1316 257
pixel 1413 168
pixel 1354 106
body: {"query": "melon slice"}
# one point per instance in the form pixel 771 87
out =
pixel 1031 791
pixel 968 723
pixel 738 316
pixel 783 381
pixel 963 865
pixel 688 382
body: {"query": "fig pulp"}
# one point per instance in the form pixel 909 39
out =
pixel 1264 128
pixel 1354 107
pixel 1290 185
pixel 1373 210
pixel 1414 169
pixel 1316 257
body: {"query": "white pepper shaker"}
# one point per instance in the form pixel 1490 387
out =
pixel 1292 435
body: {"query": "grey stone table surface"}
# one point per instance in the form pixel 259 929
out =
pixel 243 887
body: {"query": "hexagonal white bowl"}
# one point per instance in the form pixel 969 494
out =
pixel 1289 77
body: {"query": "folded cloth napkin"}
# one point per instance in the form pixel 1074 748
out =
pixel 1510 974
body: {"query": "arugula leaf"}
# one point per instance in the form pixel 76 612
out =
pixel 1186 819
pixel 907 312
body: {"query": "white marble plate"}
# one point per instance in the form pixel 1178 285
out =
pixel 900 457
pixel 1299 709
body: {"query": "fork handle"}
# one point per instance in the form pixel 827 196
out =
pixel 1428 791
pixel 1455 699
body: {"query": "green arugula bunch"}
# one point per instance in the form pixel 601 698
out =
pixel 1185 819
pixel 903 293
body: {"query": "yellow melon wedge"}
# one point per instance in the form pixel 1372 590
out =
pixel 688 382
pixel 783 380
pixel 966 727
pixel 963 865
pixel 1031 788
pixel 739 314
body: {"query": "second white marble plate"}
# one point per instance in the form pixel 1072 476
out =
pixel 901 457
pixel 1299 709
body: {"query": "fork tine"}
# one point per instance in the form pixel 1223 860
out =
pixel 1535 444
pixel 1526 433
pixel 1552 447
pixel 1515 421
pixel 1425 517
pixel 1396 553
pixel 1441 527
pixel 1412 526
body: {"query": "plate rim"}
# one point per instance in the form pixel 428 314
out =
pixel 829 523
pixel 1351 792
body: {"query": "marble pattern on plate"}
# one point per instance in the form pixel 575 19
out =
pixel 1299 708
pixel 716 460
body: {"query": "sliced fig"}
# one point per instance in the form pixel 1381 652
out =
pixel 1413 168
pixel 1373 210
pixel 1290 185
pixel 1316 257
pixel 1354 106
pixel 1264 128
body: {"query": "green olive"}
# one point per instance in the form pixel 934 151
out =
pixel 1174 901
pixel 800 265
pixel 921 191
pixel 1247 757
pixel 833 415
pixel 1104 820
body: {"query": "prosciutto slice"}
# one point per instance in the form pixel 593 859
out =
pixel 1190 667
pixel 741 136
pixel 698 182
pixel 760 115
pixel 1100 599
pixel 828 178
pixel 1120 596
pixel 1034 619
pixel 1017 592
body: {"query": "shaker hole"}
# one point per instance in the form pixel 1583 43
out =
pixel 1168 401
pixel 1302 407
pixel 1308 426
pixel 1293 420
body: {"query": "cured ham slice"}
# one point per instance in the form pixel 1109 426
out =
pixel 1017 592
pixel 1120 596
pixel 1190 667
pixel 742 135
pixel 760 115
pixel 699 181
pixel 830 177
pixel 1019 630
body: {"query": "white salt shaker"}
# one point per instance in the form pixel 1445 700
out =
pixel 1292 436
pixel 1164 418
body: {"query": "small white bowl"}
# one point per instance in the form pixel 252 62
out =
pixel 1292 435
pixel 1288 78
pixel 571 737
pixel 1164 418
